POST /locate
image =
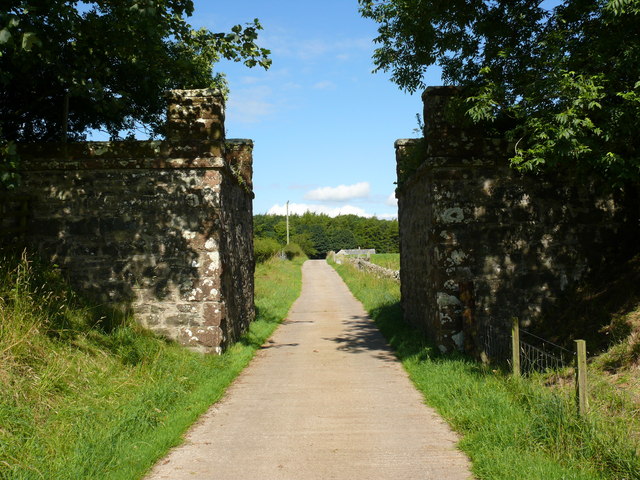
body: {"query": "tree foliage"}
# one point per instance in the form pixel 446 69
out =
pixel 566 80
pixel 265 248
pixel 105 64
pixel 318 234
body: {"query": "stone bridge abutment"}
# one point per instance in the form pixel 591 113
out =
pixel 480 243
pixel 159 228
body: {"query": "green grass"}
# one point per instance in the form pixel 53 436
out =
pixel 511 428
pixel 387 260
pixel 89 395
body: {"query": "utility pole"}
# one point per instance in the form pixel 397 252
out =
pixel 287 222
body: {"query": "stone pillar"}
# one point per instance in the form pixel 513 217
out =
pixel 195 115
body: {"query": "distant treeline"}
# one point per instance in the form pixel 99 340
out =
pixel 318 234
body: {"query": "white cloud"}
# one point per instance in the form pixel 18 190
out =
pixel 302 208
pixel 339 193
pixel 388 216
pixel 392 201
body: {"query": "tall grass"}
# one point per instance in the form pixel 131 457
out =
pixel 87 394
pixel 387 260
pixel 511 428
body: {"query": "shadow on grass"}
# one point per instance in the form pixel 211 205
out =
pixel 266 315
pixel 256 336
pixel 408 342
pixel 35 292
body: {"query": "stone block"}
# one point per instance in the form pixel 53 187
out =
pixel 213 314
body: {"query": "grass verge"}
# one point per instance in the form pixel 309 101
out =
pixel 88 395
pixel 511 428
pixel 387 260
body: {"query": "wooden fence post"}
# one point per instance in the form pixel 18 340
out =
pixel 581 377
pixel 515 347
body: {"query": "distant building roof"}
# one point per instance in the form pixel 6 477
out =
pixel 357 251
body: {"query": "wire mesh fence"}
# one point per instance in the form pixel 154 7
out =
pixel 496 344
pixel 525 352
pixel 535 353
pixel 539 355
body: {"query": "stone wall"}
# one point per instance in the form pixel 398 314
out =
pixel 481 244
pixel 369 267
pixel 163 229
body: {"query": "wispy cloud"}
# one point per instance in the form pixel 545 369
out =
pixel 291 86
pixel 313 48
pixel 324 85
pixel 250 105
pixel 339 193
pixel 248 80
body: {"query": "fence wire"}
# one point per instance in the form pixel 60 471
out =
pixel 542 356
pixel 536 353
pixel 496 344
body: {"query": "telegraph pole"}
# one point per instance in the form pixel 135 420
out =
pixel 287 222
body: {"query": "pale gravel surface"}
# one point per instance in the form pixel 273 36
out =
pixel 324 399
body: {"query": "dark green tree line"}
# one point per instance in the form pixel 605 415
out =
pixel 318 234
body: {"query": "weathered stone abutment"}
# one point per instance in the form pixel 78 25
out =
pixel 480 243
pixel 159 228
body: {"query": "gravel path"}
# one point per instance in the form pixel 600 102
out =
pixel 325 398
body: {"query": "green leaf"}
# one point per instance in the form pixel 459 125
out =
pixel 29 39
pixel 5 35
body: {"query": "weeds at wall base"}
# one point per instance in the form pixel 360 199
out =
pixel 88 396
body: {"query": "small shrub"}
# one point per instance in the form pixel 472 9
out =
pixel 293 250
pixel 265 248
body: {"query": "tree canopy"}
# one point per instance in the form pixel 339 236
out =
pixel 318 234
pixel 105 64
pixel 565 80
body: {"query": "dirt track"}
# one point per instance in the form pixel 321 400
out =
pixel 324 399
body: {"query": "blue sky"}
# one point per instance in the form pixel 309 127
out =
pixel 322 123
